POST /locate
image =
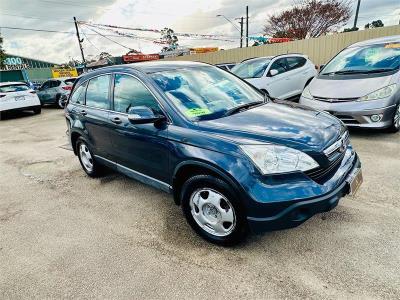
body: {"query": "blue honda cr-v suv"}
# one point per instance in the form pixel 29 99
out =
pixel 232 158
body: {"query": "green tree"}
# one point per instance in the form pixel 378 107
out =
pixel 2 54
pixel 374 24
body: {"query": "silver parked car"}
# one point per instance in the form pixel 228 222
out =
pixel 55 91
pixel 360 85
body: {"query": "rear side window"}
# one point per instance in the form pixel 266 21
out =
pixel 295 62
pixel 129 92
pixel 78 95
pixel 13 88
pixel 45 85
pixel 97 93
pixel 69 81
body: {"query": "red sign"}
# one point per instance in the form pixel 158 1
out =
pixel 139 57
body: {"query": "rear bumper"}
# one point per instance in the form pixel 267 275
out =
pixel 21 108
pixel 300 211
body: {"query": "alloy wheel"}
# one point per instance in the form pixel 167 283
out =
pixel 396 120
pixel 213 212
pixel 86 157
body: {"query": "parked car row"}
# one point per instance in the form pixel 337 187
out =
pixel 22 96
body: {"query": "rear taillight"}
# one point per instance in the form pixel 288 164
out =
pixel 67 88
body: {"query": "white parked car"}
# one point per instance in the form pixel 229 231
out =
pixel 283 76
pixel 18 96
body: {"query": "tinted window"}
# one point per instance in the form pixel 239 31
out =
pixel 79 94
pixel 129 92
pixel 45 85
pixel 13 88
pixel 97 93
pixel 295 62
pixel 54 83
pixel 70 81
pixel 279 65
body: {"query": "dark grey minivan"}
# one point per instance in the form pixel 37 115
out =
pixel 361 85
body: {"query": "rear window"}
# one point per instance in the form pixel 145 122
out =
pixel 13 88
pixel 70 81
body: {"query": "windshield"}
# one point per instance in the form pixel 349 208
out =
pixel 365 59
pixel 206 92
pixel 253 68
pixel 13 88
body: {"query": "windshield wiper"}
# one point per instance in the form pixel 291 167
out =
pixel 241 107
pixel 346 72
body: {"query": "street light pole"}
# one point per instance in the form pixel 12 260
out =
pixel 237 28
pixel 247 25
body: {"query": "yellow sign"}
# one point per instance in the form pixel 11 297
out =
pixel 57 73
pixel 203 50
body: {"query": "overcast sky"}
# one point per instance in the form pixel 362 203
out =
pixel 181 15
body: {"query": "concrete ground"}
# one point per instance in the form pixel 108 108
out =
pixel 64 235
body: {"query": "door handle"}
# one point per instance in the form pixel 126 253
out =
pixel 83 112
pixel 116 120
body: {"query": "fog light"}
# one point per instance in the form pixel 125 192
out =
pixel 376 118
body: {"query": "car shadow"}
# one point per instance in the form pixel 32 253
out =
pixel 16 115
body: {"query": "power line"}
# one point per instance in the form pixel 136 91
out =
pixel 108 38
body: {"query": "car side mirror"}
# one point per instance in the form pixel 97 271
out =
pixel 321 67
pixel 143 115
pixel 273 72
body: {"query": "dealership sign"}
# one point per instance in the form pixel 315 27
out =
pixel 58 73
pixel 139 57
pixel 14 63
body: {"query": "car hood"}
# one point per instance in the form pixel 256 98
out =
pixel 283 123
pixel 347 88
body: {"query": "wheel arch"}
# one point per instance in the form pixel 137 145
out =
pixel 187 169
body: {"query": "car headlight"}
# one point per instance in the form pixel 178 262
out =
pixel 379 94
pixel 274 159
pixel 306 93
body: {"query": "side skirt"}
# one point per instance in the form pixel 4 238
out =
pixel 136 175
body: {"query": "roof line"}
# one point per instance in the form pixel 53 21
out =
pixel 43 61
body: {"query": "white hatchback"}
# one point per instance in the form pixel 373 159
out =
pixel 18 96
pixel 283 76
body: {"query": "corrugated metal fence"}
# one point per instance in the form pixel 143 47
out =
pixel 320 50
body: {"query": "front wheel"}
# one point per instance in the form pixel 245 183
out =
pixel 60 101
pixel 213 211
pixel 395 127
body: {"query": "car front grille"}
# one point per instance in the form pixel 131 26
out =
pixel 335 154
pixel 334 100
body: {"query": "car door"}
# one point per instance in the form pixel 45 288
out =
pixel 139 149
pixel 53 90
pixel 278 86
pixel 299 73
pixel 43 92
pixel 95 114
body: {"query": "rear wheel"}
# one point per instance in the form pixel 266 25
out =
pixel 86 158
pixel 213 211
pixel 395 127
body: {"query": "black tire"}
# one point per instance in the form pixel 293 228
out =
pixel 59 102
pixel 37 110
pixel 96 169
pixel 395 127
pixel 199 182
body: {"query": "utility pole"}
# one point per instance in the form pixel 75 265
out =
pixel 241 32
pixel 80 43
pixel 247 25
pixel 356 17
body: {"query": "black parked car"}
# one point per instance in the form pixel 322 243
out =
pixel 232 159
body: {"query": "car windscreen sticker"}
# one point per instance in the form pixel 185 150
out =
pixel 197 112
pixel 392 46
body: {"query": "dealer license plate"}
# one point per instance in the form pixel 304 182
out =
pixel 355 180
pixel 19 98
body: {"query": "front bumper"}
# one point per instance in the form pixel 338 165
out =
pixel 357 114
pixel 300 211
